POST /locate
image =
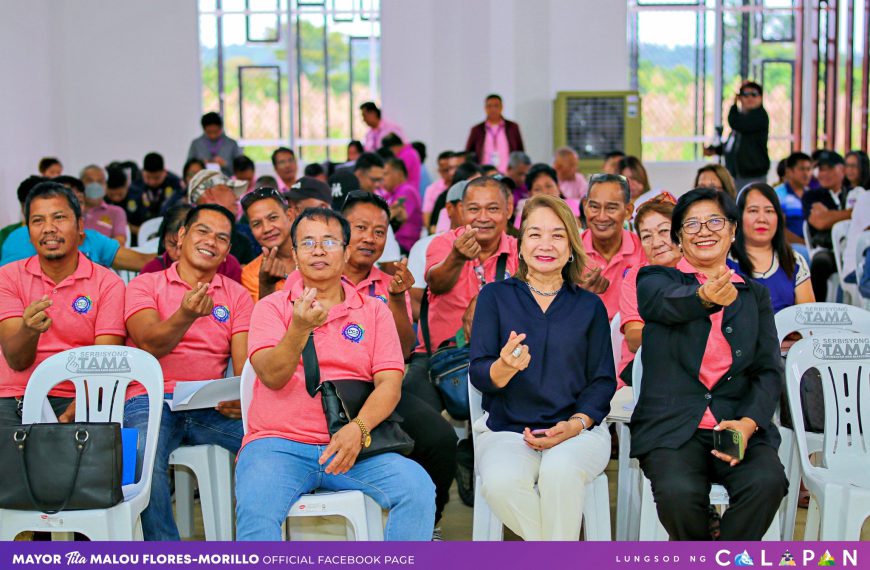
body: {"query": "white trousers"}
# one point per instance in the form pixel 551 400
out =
pixel 510 471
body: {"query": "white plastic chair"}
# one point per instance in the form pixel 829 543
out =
pixel 149 229
pixel 100 396
pixel 392 251
pixel 650 528
pixel 863 244
pixel 364 516
pixel 486 526
pixel 839 488
pixel 616 340
pixel 839 231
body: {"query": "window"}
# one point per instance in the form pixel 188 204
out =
pixel 290 72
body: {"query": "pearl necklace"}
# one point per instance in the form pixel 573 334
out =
pixel 543 293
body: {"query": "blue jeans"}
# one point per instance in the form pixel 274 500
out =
pixel 271 474
pixel 195 427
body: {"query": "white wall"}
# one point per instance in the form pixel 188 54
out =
pixel 440 58
pixel 95 81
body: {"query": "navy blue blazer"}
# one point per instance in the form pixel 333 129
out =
pixel 673 399
pixel 571 370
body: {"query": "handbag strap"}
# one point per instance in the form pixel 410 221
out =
pixel 311 366
pixel 80 445
pixel 500 268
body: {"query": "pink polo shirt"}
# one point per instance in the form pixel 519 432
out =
pixel 628 313
pixel 107 219
pixel 431 195
pixel 375 136
pixel 717 355
pixel 87 304
pixel 204 351
pixel 377 285
pixel 411 159
pixel 445 311
pixel 496 150
pixel 630 255
pixel 575 189
pixel 357 341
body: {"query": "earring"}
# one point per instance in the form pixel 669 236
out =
pixel 571 258
pixel 733 239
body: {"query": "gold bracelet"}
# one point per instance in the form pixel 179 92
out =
pixel 366 439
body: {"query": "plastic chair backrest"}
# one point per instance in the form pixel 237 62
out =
pixel 392 251
pixel 636 374
pixel 149 228
pixel 475 405
pixel 247 391
pixel 616 339
pixel 100 375
pixel 844 363
pixel 863 244
pixel 812 319
pixel 839 231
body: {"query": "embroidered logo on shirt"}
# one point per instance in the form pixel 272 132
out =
pixel 353 332
pixel 221 313
pixel 82 304
pixel 382 298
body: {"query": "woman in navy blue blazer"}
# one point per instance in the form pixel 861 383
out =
pixel 710 362
pixel 541 355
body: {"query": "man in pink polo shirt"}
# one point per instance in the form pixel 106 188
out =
pixel 434 438
pixel 56 300
pixel 493 140
pixel 572 184
pixel 193 320
pixel 458 264
pixel 379 127
pixel 109 220
pixel 446 168
pixel 408 155
pixel 406 215
pixel 288 450
pixel 610 248
pixel 286 167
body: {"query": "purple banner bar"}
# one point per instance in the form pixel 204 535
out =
pixel 435 556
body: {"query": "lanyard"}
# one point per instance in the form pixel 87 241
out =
pixel 494 132
pixel 214 147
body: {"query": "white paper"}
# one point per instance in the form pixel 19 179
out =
pixel 199 394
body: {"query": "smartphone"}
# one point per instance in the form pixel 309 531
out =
pixel 539 432
pixel 730 442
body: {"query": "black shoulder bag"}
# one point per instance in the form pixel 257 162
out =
pixel 448 366
pixel 54 467
pixel 343 399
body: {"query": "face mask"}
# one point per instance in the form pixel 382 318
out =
pixel 94 191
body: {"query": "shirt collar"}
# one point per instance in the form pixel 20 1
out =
pixel 173 277
pixel 626 248
pixel 685 267
pixel 84 269
pixel 352 298
pixel 375 275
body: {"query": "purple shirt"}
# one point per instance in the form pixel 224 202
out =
pixel 412 163
pixel 111 221
pixel 409 232
pixel 375 135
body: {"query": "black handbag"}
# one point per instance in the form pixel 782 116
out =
pixel 60 467
pixel 448 366
pixel 343 399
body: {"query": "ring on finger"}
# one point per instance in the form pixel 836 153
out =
pixel 517 352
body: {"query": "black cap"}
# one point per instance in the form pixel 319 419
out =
pixel 307 187
pixel 342 183
pixel 829 158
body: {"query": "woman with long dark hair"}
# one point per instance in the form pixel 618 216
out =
pixel 769 259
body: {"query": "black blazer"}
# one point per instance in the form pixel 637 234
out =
pixel 477 138
pixel 672 398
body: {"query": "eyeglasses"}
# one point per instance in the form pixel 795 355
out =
pixel 328 244
pixel 713 224
pixel 604 177
pixel 750 94
pixel 262 194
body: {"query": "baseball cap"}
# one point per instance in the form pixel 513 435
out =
pixel 454 194
pixel 307 187
pixel 829 158
pixel 205 179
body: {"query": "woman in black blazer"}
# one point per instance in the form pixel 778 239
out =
pixel 710 362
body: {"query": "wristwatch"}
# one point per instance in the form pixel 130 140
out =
pixel 366 436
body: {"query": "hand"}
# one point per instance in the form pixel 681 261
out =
pixel 36 319
pixel 709 151
pixel 69 414
pixel 555 435
pixel 218 160
pixel 510 358
pixel 746 426
pixel 197 302
pixel 466 245
pixel 719 289
pixel 231 409
pixel 273 269
pixel 308 313
pixel 398 213
pixel 818 208
pixel 402 279
pixel 345 445
pixel 594 282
